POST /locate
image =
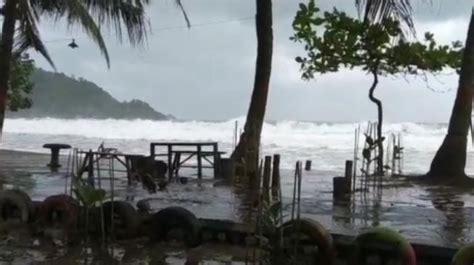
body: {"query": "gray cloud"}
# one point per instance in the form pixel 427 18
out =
pixel 207 72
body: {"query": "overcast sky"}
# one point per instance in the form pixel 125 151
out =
pixel 207 72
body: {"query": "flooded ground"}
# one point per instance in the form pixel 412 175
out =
pixel 427 214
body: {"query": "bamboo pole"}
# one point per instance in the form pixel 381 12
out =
pixel 267 168
pixel 276 177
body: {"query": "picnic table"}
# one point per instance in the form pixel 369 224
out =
pixel 178 153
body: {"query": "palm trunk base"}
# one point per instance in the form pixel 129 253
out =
pixel 246 156
pixel 450 160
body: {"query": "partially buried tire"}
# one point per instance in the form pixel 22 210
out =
pixel 60 211
pixel 383 240
pixel 176 219
pixel 316 234
pixel 464 256
pixel 15 205
pixel 121 219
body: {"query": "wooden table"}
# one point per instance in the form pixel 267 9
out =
pixel 93 157
pixel 202 150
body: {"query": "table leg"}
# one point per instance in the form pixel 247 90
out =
pixel 128 165
pixel 90 174
pixel 170 161
pixel 54 163
pixel 199 161
pixel 216 160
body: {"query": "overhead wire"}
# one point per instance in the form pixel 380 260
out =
pixel 172 28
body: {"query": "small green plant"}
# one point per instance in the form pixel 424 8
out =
pixel 88 195
pixel 271 219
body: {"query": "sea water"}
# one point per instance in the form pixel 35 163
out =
pixel 328 145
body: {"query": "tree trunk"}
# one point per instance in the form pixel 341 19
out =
pixel 6 46
pixel 450 160
pixel 248 146
pixel 379 158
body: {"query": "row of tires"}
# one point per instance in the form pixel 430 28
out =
pixel 387 244
pixel 120 220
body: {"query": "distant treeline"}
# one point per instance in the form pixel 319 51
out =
pixel 59 96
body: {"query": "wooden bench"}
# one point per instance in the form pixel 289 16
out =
pixel 188 149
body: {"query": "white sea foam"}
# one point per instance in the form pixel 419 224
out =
pixel 328 144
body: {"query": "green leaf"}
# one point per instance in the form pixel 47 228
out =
pixel 87 194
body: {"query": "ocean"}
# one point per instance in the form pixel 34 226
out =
pixel 328 145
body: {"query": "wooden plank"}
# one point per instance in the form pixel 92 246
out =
pixel 203 153
pixel 183 143
pixel 195 166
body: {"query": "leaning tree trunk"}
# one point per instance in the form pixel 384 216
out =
pixel 379 140
pixel 6 46
pixel 248 147
pixel 450 160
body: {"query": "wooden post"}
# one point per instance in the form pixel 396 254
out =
pixel 276 176
pixel 339 189
pixel 176 164
pixel 348 174
pixel 199 162
pixel 90 168
pixel 267 168
pixel 152 150
pixel 170 161
pixel 216 158
pixel 128 164
pixel 307 165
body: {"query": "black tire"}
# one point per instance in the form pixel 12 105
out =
pixel 464 256
pixel 15 204
pixel 125 219
pixel 317 234
pixel 378 238
pixel 30 203
pixel 36 210
pixel 60 211
pixel 172 218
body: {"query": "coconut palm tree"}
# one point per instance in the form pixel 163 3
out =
pixel 247 149
pixel 450 159
pixel 21 19
pixel 449 163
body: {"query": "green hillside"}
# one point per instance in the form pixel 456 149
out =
pixel 59 96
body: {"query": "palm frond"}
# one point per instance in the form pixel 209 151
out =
pixel 119 13
pixel 28 35
pixel 374 11
pixel 76 13
pixel 180 5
